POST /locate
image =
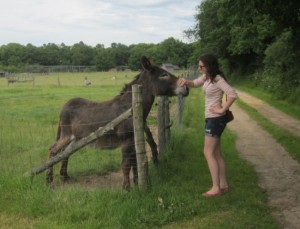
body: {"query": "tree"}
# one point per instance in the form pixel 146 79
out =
pixel 236 30
pixel 175 52
pixel 120 54
pixel 49 54
pixel 65 55
pixel 135 54
pixel 82 54
pixel 104 59
pixel 12 54
pixel 32 55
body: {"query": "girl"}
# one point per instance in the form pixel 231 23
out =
pixel 214 86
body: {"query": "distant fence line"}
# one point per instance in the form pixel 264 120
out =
pixel 59 68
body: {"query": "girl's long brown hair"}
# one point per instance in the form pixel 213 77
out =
pixel 212 66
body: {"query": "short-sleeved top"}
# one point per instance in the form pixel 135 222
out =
pixel 214 92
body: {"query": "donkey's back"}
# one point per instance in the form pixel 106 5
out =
pixel 79 117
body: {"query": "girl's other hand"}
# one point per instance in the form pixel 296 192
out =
pixel 217 110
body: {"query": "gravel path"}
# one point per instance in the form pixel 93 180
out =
pixel 279 174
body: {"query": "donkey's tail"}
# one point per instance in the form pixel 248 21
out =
pixel 58 132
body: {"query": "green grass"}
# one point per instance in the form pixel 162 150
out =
pixel 28 127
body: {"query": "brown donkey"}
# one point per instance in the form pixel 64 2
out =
pixel 79 117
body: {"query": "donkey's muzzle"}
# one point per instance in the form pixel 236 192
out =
pixel 183 91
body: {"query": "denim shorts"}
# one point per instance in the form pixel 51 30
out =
pixel 214 127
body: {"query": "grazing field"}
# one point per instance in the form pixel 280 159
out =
pixel 28 125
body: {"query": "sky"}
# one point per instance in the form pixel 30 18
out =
pixel 95 22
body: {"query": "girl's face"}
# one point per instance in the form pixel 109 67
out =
pixel 201 67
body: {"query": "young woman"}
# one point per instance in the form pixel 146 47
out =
pixel 214 86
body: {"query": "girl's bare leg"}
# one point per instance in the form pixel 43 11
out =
pixel 211 145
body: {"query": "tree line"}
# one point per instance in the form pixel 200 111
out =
pixel 16 57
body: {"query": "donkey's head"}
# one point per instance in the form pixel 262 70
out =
pixel 159 81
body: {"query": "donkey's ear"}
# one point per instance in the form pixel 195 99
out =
pixel 146 63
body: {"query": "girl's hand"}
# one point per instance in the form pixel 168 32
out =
pixel 217 110
pixel 181 82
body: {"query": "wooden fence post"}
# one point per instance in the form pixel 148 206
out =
pixel 161 125
pixel 138 124
pixel 180 106
pixel 167 119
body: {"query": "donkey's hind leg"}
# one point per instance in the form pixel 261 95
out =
pixel 64 168
pixel 127 155
pixel 53 150
pixel 134 166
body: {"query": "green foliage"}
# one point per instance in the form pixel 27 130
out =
pixel 174 51
pixel 253 37
pixel 280 75
pixel 135 53
pixel 82 54
pixel 279 55
pixel 103 60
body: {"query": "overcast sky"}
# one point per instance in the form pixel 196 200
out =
pixel 95 21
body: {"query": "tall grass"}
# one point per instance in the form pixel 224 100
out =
pixel 28 127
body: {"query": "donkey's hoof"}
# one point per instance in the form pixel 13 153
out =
pixel 126 187
pixel 155 161
pixel 135 180
pixel 66 178
pixel 49 179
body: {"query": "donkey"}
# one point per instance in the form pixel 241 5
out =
pixel 79 117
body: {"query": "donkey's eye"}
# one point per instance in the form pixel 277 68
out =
pixel 164 76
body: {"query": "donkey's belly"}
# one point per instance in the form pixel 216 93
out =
pixel 109 141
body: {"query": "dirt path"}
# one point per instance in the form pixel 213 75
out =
pixel 277 117
pixel 279 174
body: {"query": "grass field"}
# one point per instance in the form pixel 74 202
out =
pixel 28 127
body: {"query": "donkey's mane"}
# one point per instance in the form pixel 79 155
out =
pixel 127 87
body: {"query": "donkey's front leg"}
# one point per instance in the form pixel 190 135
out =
pixel 152 144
